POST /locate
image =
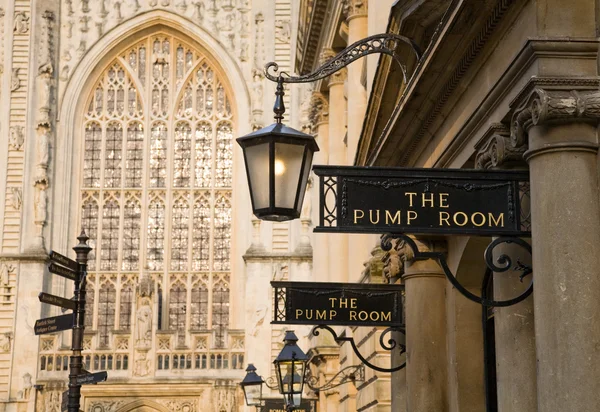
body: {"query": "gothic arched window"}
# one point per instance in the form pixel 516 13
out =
pixel 156 186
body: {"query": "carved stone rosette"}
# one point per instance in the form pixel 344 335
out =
pixel 543 106
pixel 497 149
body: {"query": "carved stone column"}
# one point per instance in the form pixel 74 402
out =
pixel 561 127
pixel 514 325
pixel 338 246
pixel 426 351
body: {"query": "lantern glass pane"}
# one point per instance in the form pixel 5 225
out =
pixel 253 394
pixel 288 164
pixel 305 174
pixel 257 164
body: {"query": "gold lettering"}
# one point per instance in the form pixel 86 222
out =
pixel 353 303
pixel 374 316
pixel 386 316
pixel 332 300
pixel 500 220
pixel 424 200
pixel 362 214
pixel 411 215
pixel 465 217
pixel 443 199
pixel 322 314
pixel 411 195
pixel 371 216
pixel 298 313
pixel 444 216
pixel 332 314
pixel 482 219
pixel 343 303
pixel 362 315
pixel 352 315
pixel 388 216
pixel 307 313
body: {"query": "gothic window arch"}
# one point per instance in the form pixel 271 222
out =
pixel 156 187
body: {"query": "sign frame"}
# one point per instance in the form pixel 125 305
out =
pixel 286 301
pixel 91 378
pixel 277 404
pixel 61 302
pixel 63 261
pixel 343 188
pixel 60 321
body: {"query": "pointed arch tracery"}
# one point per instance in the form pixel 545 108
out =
pixel 156 185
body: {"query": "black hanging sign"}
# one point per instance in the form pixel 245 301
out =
pixel 57 301
pixel 62 271
pixel 91 378
pixel 423 201
pixel 64 261
pixel 276 405
pixel 346 304
pixel 53 324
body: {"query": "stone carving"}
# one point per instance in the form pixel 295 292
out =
pixel 103 11
pixel 24 393
pixel 52 401
pixel 319 110
pixel 44 95
pixel 353 8
pixel 393 260
pixel 143 335
pixel 117 8
pixel 106 406
pixel 181 5
pixel 17 137
pixel 85 6
pixel 542 106
pixel 84 21
pixel 16 198
pixel 69 29
pixel 64 73
pixel 141 366
pixel 258 319
pixel 224 399
pixel 46 46
pixel 497 149
pixel 5 340
pixel 5 271
pixel 145 287
pixel 69 7
pixel 21 25
pixel 199 11
pixel 179 405
pixel 15 82
pixel 280 271
pixel 257 88
pixel 41 207
pixel 283 31
pixel 43 150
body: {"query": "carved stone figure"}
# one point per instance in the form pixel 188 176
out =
pixel 5 270
pixel 181 5
pixel 69 6
pixel 41 206
pixel 5 340
pixel 44 96
pixel 16 197
pixel 85 6
pixel 118 15
pixel 21 23
pixel 283 31
pixel 43 149
pixel 142 364
pixel 15 82
pixel 143 336
pixel 199 12
pixel 17 137
pixel 257 88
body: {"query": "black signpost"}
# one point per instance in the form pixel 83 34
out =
pixel 276 405
pixel 75 270
pixel 344 304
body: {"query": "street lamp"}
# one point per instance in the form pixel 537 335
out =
pixel 290 367
pixel 252 386
pixel 278 160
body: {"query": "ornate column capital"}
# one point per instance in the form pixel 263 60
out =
pixel 496 149
pixel 355 8
pixel 554 100
pixel 337 77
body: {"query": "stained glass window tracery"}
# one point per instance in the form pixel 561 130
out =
pixel 156 187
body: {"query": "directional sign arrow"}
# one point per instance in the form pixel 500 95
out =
pixel 53 324
pixel 63 260
pixel 92 378
pixel 57 301
pixel 62 271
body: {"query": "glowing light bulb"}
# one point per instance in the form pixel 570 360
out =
pixel 279 167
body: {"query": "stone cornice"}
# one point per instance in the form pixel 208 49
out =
pixel 267 256
pixel 25 257
pixel 495 149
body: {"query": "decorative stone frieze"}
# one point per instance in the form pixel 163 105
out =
pixel 496 149
pixel 319 109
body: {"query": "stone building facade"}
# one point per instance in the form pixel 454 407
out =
pixel 120 118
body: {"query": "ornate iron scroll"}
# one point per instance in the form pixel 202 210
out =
pixel 385 43
pixel 390 345
pixel 353 373
pixel 502 263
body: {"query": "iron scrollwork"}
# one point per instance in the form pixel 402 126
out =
pixel 502 263
pixel 353 373
pixel 385 43
pixel 390 345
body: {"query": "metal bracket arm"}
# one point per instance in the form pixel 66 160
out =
pixel 389 346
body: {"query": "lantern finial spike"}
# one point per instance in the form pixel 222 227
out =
pixel 279 107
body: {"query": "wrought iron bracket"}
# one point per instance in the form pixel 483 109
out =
pixel 384 43
pixel 501 264
pixel 353 373
pixel 390 345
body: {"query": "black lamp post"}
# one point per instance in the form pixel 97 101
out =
pixel 290 367
pixel 278 160
pixel 252 386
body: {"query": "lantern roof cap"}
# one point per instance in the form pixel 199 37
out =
pixel 291 351
pixel 251 377
pixel 280 132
